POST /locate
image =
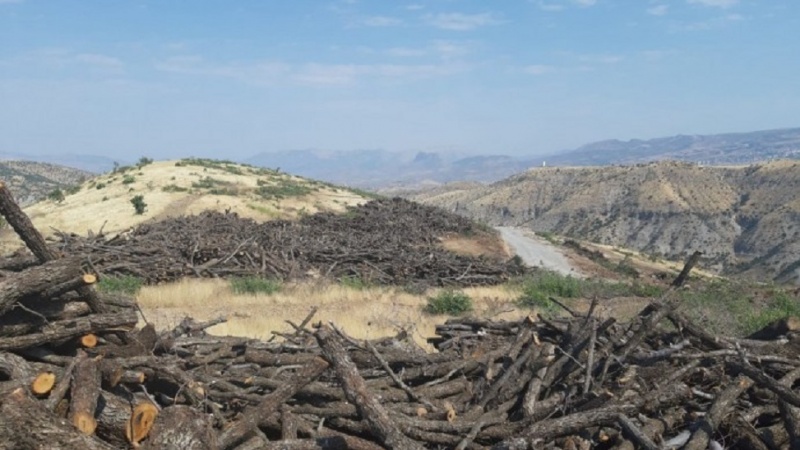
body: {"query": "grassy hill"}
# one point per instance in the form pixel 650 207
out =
pixel 744 219
pixel 176 188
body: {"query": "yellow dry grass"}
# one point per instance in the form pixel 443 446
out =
pixel 104 201
pixel 489 245
pixel 363 313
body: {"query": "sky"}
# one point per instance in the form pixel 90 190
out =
pixel 233 78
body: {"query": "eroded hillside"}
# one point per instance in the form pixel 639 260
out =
pixel 744 219
pixel 33 181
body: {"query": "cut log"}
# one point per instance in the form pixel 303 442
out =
pixel 27 424
pixel 181 427
pixel 140 422
pixel 43 383
pixel 37 279
pixel 271 404
pixel 84 391
pixel 60 390
pixel 777 329
pixel 88 340
pixel 684 275
pixel 65 329
pixel 33 314
pixel 113 415
pixel 357 392
pixel 22 224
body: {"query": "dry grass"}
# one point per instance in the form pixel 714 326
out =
pixel 485 244
pixel 366 313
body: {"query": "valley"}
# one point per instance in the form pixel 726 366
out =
pixel 745 220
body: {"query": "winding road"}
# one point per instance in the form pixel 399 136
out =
pixel 536 251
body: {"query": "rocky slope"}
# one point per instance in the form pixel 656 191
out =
pixel 32 181
pixel 744 219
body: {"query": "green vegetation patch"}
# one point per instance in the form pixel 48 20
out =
pixel 537 288
pixel 283 188
pixel 120 284
pixel 56 195
pixel 735 308
pixel 174 188
pixel 355 282
pixel 139 206
pixel 223 165
pixel 212 183
pixel 450 302
pixel 255 285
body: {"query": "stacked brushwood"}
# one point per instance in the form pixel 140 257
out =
pixel 72 378
pixel 387 241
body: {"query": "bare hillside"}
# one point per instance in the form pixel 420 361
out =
pixel 177 188
pixel 744 219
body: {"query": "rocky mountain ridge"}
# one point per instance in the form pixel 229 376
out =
pixel 746 220
pixel 33 181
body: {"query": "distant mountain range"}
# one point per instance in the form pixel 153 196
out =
pixel 381 169
pixel 716 149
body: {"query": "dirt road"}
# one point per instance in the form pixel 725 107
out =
pixel 536 251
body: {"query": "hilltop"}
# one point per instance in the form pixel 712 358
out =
pixel 746 220
pixel 184 187
pixel 32 181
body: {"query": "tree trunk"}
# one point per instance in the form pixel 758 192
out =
pixel 357 393
pixel 37 279
pixel 66 329
pixel 27 424
pixel 84 391
pixel 181 428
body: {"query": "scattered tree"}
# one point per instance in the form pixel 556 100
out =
pixel 138 204
pixel 56 195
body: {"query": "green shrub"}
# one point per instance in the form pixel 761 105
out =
pixel 173 188
pixel 122 284
pixel 355 282
pixel 143 161
pixel 537 289
pixel 100 185
pixel 128 179
pixel 209 183
pixel 450 302
pixel 779 306
pixel 56 195
pixel 283 188
pixel 138 204
pixel 255 285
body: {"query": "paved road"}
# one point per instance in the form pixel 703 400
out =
pixel 536 251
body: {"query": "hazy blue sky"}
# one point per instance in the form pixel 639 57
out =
pixel 232 78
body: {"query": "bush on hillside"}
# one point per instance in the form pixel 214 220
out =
pixel 449 302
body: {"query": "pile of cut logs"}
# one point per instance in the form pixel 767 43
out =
pixel 387 241
pixel 76 373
